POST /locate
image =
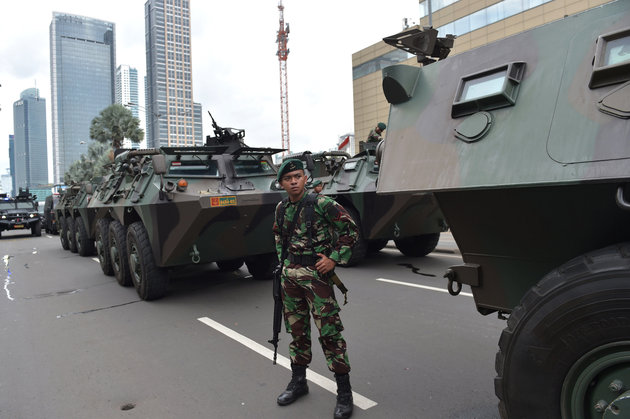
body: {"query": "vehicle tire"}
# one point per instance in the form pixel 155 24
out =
pixel 85 245
pixel 101 242
pixel 151 281
pixel 118 253
pixel 361 246
pixel 63 234
pixel 416 246
pixel 37 229
pixel 567 340
pixel 377 245
pixel 72 244
pixel 229 265
pixel 261 267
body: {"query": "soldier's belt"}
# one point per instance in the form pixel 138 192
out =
pixel 304 260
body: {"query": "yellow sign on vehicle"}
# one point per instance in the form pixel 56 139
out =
pixel 223 201
pixel 18 226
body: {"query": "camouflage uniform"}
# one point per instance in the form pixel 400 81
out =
pixel 374 136
pixel 305 290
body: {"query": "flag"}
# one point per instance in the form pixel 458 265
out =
pixel 344 143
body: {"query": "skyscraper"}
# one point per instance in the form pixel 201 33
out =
pixel 29 141
pixel 82 63
pixel 172 116
pixel 12 163
pixel 127 93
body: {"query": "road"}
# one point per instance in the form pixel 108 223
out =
pixel 77 345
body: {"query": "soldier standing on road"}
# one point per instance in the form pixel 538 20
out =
pixel 317 187
pixel 375 134
pixel 306 284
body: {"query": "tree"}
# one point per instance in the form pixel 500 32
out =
pixel 90 166
pixel 114 124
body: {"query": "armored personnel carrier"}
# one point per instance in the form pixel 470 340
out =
pixel 351 181
pixel 78 222
pixel 20 213
pixel 63 211
pixel 49 220
pixel 525 145
pixel 169 207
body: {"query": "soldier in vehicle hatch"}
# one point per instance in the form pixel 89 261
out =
pixel 317 187
pixel 307 286
pixel 375 134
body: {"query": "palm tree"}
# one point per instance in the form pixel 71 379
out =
pixel 115 123
pixel 90 166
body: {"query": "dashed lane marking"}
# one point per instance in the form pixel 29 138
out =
pixel 426 287
pixel 360 401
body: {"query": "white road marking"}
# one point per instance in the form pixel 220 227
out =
pixel 448 255
pixel 426 287
pixel 360 401
pixel 95 259
pixel 7 280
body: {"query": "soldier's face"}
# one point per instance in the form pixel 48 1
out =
pixel 294 183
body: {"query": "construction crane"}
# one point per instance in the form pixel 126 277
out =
pixel 283 53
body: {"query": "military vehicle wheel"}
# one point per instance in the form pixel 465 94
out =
pixel 72 244
pixel 118 253
pixel 85 245
pixel 261 267
pixel 229 265
pixel 101 242
pixel 63 235
pixel 416 246
pixel 37 229
pixel 151 282
pixel 377 245
pixel 568 342
pixel 360 247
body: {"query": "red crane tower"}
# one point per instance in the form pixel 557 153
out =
pixel 283 53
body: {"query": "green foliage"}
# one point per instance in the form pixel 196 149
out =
pixel 92 165
pixel 114 124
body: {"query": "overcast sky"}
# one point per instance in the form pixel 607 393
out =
pixel 235 67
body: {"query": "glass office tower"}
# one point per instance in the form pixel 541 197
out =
pixel 173 119
pixel 82 64
pixel 29 130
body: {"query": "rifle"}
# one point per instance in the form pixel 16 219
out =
pixel 277 274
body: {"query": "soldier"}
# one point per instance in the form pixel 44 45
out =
pixel 317 187
pixel 306 280
pixel 375 134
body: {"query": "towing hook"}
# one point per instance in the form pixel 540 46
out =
pixel 451 275
pixel 195 254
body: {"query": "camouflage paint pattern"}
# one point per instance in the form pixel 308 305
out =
pixel 224 213
pixel 527 174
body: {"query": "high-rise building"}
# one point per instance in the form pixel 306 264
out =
pixel 29 140
pixel 12 163
pixel 127 94
pixel 173 119
pixel 82 63
pixel 474 22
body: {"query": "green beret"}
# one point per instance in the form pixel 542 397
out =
pixel 290 166
pixel 382 126
pixel 317 183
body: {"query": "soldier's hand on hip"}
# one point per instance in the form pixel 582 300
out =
pixel 324 264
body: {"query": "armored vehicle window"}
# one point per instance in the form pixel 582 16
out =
pixel 6 205
pixel 25 205
pixel 198 168
pixel 490 89
pixel 252 166
pixel 350 165
pixel 612 59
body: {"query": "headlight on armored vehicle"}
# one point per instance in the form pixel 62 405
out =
pixel 4 217
pixel 32 215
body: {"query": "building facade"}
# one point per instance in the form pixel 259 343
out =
pixel 127 94
pixel 474 22
pixel 82 64
pixel 12 164
pixel 29 140
pixel 173 119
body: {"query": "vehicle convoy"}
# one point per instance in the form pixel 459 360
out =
pixel 169 207
pixel 63 210
pixel 525 145
pixel 20 213
pixel 76 220
pixel 351 181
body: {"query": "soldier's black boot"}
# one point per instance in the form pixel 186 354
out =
pixel 343 409
pixel 297 386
